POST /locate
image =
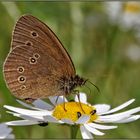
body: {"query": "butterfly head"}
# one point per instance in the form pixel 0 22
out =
pixel 68 84
pixel 78 81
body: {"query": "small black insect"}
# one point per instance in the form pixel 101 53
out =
pixel 41 123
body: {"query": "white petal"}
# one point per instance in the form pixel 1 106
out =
pixel 120 107
pixel 85 133
pixel 3 136
pixel 11 136
pixel 121 119
pixel 26 112
pixel 4 131
pixel 67 121
pixel 42 105
pixel 22 122
pixel 27 105
pixel 27 117
pixel 56 101
pixel 108 120
pixel 50 119
pixel 93 130
pixel 101 108
pixel 102 127
pixel 83 98
pixel 122 114
pixel 32 118
pixel 3 126
pixel 13 113
pixel 83 119
pixel 130 119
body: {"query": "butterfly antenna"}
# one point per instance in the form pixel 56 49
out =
pixel 94 86
pixel 88 88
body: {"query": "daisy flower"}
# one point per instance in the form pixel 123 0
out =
pixel 126 14
pixel 89 118
pixel 133 52
pixel 5 132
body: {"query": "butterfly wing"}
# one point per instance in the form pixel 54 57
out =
pixel 36 61
pixel 31 31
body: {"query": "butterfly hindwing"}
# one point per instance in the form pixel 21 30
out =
pixel 30 73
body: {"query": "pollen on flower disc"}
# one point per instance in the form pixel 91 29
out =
pixel 71 109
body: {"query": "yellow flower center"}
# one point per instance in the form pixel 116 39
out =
pixel 132 7
pixel 74 110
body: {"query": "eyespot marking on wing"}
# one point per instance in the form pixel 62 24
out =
pixel 36 55
pixel 20 69
pixel 23 87
pixel 32 60
pixel 34 34
pixel 28 43
pixel 21 79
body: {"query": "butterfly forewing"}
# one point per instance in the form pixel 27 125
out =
pixel 31 31
pixel 37 61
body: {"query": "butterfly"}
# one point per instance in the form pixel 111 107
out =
pixel 38 66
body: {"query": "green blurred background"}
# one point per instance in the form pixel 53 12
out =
pixel 98 49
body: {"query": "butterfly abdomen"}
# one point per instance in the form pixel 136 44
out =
pixel 69 84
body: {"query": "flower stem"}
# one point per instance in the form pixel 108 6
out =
pixel 74 130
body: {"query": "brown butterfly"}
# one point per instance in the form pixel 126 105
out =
pixel 38 65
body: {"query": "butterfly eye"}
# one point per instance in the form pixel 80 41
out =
pixel 28 43
pixel 93 112
pixel 20 69
pixel 36 55
pixel 32 60
pixel 78 114
pixel 34 34
pixel 21 79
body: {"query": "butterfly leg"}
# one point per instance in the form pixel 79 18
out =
pixel 56 100
pixel 29 100
pixel 64 103
pixel 78 95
